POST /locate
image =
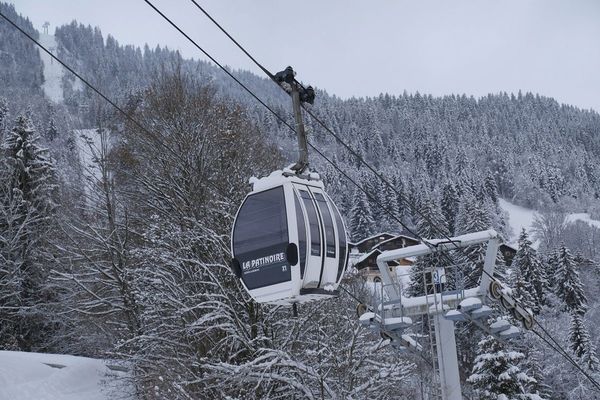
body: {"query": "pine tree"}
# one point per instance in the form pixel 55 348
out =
pixel 590 357
pixel 580 342
pixel 450 203
pixel 430 225
pixel 539 385
pixel 27 206
pixel 551 267
pixel 51 131
pixel 3 115
pixel 473 216
pixel 491 188
pixel 496 374
pixel 568 284
pixel 528 274
pixel 362 223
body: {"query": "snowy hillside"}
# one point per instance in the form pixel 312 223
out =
pixel 53 71
pixel 519 218
pixel 27 376
pixel 522 218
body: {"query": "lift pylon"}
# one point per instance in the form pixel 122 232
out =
pixel 443 306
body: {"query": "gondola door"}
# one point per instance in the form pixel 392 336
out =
pixel 314 253
pixel 329 240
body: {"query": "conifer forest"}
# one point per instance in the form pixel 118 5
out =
pixel 115 225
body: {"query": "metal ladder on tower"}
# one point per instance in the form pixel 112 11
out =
pixel 435 391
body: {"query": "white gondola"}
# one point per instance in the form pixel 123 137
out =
pixel 289 241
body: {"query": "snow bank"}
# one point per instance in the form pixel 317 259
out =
pixel 26 376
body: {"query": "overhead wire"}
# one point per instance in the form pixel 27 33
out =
pixel 358 157
pixel 279 117
pixel 152 135
pixel 88 84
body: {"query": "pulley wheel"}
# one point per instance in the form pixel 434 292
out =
pixel 361 308
pixel 495 290
pixel 528 323
pixel 506 304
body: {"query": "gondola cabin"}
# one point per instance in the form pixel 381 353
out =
pixel 289 241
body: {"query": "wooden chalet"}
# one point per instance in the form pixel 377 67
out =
pixel 367 244
pixel 363 254
pixel 508 252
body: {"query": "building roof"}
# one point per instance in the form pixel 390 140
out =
pixel 394 238
pixel 389 235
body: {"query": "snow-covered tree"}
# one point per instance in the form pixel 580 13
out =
pixel 28 188
pixel 528 274
pixel 362 223
pixel 497 375
pixel 568 286
pixel 95 271
pixel 430 225
pixel 51 132
pixel 473 216
pixel 580 343
pixel 450 202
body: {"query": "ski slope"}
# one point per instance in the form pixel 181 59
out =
pixel 519 218
pixel 522 218
pixel 53 71
pixel 584 217
pixel 28 376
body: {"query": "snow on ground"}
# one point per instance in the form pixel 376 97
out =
pixel 518 218
pixel 521 217
pixel 53 71
pixel 27 376
pixel 89 145
pixel 583 217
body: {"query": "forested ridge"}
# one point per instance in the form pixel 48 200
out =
pixel 114 240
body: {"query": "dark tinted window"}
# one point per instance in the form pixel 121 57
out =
pixel 313 223
pixel 260 239
pixel 341 241
pixel 328 224
pixel 301 235
pixel 261 222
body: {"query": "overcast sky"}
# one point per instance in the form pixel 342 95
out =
pixel 363 48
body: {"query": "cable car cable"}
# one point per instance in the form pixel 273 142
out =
pixel 560 350
pixel 414 208
pixel 89 85
pixel 432 223
pixel 352 151
pixel 139 125
pixel 338 138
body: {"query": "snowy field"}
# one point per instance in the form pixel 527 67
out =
pixel 521 217
pixel 583 217
pixel 53 71
pixel 35 376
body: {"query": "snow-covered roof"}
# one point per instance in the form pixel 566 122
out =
pixel 394 238
pixel 511 247
pixel 371 237
pixel 366 255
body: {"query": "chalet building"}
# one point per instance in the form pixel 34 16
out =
pixel 365 245
pixel 508 252
pixel 363 254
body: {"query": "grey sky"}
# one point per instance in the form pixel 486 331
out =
pixel 363 48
